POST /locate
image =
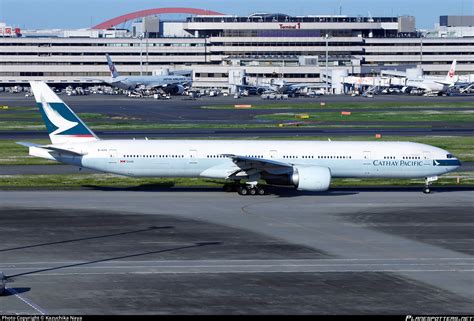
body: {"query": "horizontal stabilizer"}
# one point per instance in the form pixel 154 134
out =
pixel 51 148
pixel 61 150
pixel 28 144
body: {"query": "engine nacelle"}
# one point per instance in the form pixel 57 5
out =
pixel 304 178
pixel 174 89
pixel 180 89
pixel 311 178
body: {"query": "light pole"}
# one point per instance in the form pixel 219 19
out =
pixel 421 52
pixel 326 37
pixel 140 37
pixel 146 48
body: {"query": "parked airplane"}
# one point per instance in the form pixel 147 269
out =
pixel 172 84
pixel 306 165
pixel 279 86
pixel 285 87
pixel 432 85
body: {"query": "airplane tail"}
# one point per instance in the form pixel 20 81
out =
pixel 113 71
pixel 450 77
pixel 62 123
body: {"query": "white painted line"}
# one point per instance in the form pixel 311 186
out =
pixel 245 272
pixel 31 304
pixel 269 260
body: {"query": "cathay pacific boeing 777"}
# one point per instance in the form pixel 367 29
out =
pixel 306 165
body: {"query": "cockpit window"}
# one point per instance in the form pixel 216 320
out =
pixel 450 156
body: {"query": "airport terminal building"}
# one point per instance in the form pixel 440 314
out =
pixel 220 48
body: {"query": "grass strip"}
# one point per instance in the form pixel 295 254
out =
pixel 352 105
pixel 75 181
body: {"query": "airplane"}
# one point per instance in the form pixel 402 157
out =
pixel 432 85
pixel 304 165
pixel 172 84
pixel 279 86
pixel 284 87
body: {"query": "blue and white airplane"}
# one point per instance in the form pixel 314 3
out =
pixel 306 165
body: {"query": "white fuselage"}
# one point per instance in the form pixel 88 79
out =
pixel 206 158
pixel 133 82
pixel 428 84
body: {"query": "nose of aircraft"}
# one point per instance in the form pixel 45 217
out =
pixel 451 161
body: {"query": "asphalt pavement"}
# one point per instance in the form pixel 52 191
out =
pixel 203 251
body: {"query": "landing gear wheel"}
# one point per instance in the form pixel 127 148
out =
pixel 243 190
pixel 252 190
pixel 260 191
pixel 426 190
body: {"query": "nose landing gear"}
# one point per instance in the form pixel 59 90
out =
pixel 428 182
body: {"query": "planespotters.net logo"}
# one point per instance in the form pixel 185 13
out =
pixel 439 318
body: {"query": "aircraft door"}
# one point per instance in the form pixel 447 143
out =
pixel 426 158
pixel 367 161
pixel 366 156
pixel 273 154
pixel 113 157
pixel 193 156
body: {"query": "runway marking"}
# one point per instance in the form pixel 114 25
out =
pixel 12 264
pixel 31 304
pixel 243 272
pixel 255 266
pixel 252 265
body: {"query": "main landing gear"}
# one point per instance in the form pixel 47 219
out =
pixel 250 190
pixel 428 182
pixel 244 189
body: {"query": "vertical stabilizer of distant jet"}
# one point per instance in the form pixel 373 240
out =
pixel 450 77
pixel 113 71
pixel 62 123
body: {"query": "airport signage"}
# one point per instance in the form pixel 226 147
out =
pixel 287 26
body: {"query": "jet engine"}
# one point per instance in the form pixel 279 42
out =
pixel 174 89
pixel 304 178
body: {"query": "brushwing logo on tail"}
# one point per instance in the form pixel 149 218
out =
pixel 56 119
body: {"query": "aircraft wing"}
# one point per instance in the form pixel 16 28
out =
pixel 181 72
pixel 447 83
pixel 252 87
pixel 298 86
pixel 95 80
pixel 161 85
pixel 260 164
pixel 393 73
